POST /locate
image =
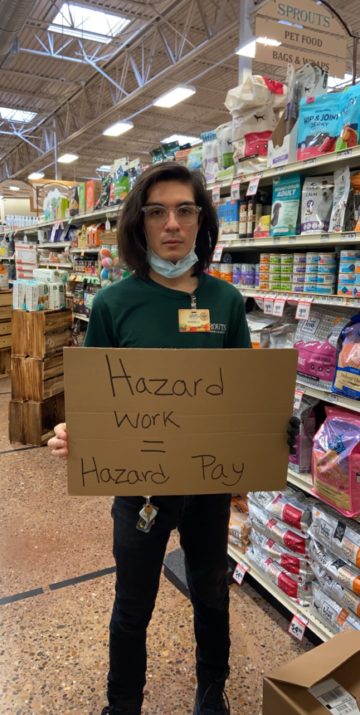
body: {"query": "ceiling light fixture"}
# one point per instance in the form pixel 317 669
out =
pixel 248 50
pixel 14 188
pixel 67 158
pixel 181 139
pixel 36 175
pixel 174 96
pixel 268 42
pixel 118 128
pixel 104 167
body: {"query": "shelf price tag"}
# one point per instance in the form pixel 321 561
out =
pixel 235 190
pixel 239 573
pixel 297 399
pixel 278 308
pixel 217 253
pixel 268 305
pixel 303 309
pixel 253 185
pixel 297 627
pixel 215 192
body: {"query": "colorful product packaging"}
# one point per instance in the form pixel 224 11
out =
pixel 285 205
pixel 336 461
pixel 347 377
pixel 319 125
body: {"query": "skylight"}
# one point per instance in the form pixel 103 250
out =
pixel 88 24
pixel 16 115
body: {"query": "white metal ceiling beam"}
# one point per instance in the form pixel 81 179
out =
pixel 224 23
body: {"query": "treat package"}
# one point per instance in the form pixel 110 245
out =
pixel 347 377
pixel 300 461
pixel 349 120
pixel 334 616
pixel 285 205
pixel 336 461
pixel 345 598
pixel 300 592
pixel 195 158
pixel 290 506
pixel 224 146
pixel 319 125
pixel 340 199
pixel 339 569
pixel 239 530
pixel 340 536
pixel 209 156
pixel 316 203
pixel 316 341
pixel 277 530
pixel 299 567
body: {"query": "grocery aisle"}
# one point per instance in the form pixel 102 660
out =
pixel 53 657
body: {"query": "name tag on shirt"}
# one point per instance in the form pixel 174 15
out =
pixel 194 320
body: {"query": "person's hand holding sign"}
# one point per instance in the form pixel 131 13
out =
pixel 59 443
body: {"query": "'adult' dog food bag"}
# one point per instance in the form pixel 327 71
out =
pixel 285 205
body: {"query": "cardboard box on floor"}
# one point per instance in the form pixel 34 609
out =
pixel 286 689
pixel 158 421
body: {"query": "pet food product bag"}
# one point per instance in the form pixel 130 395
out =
pixel 285 205
pixel 319 125
pixel 330 613
pixel 347 377
pixel 316 341
pixel 316 203
pixel 340 199
pixel 224 145
pixel 300 461
pixel 300 592
pixel 341 571
pixel 275 529
pixel 239 530
pixel 209 156
pixel 290 506
pixel 299 567
pixel 350 115
pixel 338 535
pixel 336 461
pixel 346 599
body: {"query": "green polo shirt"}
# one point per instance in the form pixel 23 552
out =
pixel 139 313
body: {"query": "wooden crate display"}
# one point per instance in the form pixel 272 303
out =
pixel 33 422
pixel 5 331
pixel 40 334
pixel 35 379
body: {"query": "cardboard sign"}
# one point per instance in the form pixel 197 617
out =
pixel 302 38
pixel 169 422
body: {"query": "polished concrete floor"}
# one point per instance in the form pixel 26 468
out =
pixel 54 623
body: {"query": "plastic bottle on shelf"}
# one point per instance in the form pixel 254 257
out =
pixel 243 214
pixel 251 218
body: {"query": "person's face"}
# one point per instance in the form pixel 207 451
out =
pixel 170 239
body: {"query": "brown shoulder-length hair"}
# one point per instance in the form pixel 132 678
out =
pixel 130 233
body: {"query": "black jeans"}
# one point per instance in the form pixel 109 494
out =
pixel 202 522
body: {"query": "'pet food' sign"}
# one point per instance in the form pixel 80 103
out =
pixel 177 421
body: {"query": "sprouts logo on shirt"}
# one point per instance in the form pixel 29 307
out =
pixel 218 328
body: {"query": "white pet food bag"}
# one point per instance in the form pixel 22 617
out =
pixel 340 199
pixel 299 567
pixel 290 506
pixel 330 613
pixel 316 203
pixel 345 599
pixel 338 534
pixel 224 146
pixel 275 529
pixel 299 592
pixel 337 568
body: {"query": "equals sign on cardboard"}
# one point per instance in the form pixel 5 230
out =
pixel 156 445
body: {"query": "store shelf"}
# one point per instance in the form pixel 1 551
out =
pixel 233 241
pixel 316 299
pixel 109 212
pixel 85 250
pixel 55 244
pixel 7 258
pixel 51 264
pixel 321 394
pixel 302 481
pixel 315 626
pixel 77 316
pixel 330 162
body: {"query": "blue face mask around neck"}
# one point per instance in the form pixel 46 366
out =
pixel 168 269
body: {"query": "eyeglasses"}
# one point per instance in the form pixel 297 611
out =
pixel 186 215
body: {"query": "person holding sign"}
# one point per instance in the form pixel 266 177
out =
pixel 167 233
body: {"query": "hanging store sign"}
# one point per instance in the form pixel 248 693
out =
pixel 314 35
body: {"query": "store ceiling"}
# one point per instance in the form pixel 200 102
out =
pixel 59 78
